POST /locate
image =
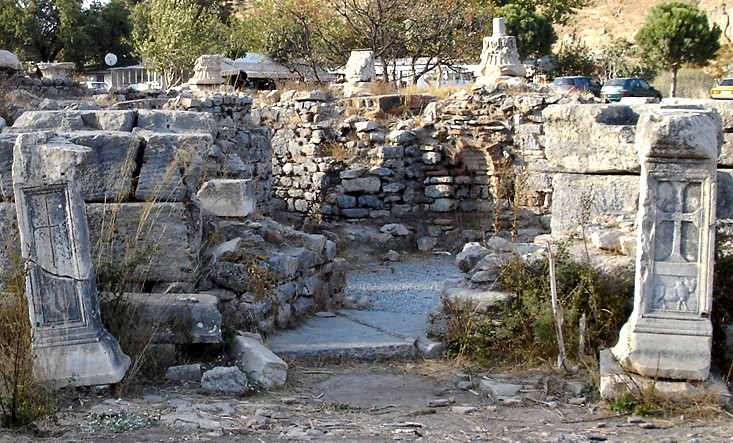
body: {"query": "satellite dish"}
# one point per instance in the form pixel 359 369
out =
pixel 110 59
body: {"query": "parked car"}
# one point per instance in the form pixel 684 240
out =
pixel 98 87
pixel 576 83
pixel 723 91
pixel 617 88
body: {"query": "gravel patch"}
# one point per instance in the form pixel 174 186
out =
pixel 410 286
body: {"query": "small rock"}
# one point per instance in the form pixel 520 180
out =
pixel 464 385
pixel 635 419
pixel 577 401
pixel 393 255
pixel 463 410
pixel 442 402
pixel 511 401
pixel 225 379
pixel 325 314
pixel 183 373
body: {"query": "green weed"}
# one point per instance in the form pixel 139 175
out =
pixel 522 330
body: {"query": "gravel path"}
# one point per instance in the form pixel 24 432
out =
pixel 409 286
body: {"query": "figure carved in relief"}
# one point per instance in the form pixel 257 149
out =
pixel 680 294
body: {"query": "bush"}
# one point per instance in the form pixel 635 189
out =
pixel 522 331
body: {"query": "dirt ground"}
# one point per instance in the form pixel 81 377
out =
pixel 374 402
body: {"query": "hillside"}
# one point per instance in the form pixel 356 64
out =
pixel 603 19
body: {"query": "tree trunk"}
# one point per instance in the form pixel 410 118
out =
pixel 673 86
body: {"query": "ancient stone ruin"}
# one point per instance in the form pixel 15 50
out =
pixel 244 206
pixel 499 56
pixel 207 73
pixel 669 334
pixel 70 345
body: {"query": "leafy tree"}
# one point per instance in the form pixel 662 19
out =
pixel 171 34
pixel 556 11
pixel 294 30
pixel 621 58
pixel 376 25
pixel 32 29
pixel 534 33
pixel 110 27
pixel 677 34
pixel 573 58
pixel 432 32
pixel 49 30
pixel 442 33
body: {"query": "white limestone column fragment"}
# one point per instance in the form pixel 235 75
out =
pixel 669 333
pixel 499 56
pixel 70 344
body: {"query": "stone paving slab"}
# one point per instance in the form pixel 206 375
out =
pixel 335 338
pixel 396 324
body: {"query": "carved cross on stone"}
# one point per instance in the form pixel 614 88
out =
pixel 679 217
pixel 70 344
pixel 669 333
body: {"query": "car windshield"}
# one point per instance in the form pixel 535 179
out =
pixel 616 82
pixel 726 82
pixel 563 81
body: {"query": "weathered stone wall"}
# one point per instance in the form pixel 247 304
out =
pixel 53 88
pixel 462 169
pixel 594 164
pixel 141 186
pixel 484 160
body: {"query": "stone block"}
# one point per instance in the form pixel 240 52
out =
pixel 172 166
pixel 7 141
pixel 227 198
pixel 175 122
pixel 184 373
pixel 258 362
pixel 164 237
pixel 590 138
pixel 107 176
pixel 70 343
pixel 576 196
pixel 31 121
pixel 226 380
pixel 179 318
pixel 367 185
pixel 669 333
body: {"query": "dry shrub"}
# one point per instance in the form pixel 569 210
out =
pixel 22 399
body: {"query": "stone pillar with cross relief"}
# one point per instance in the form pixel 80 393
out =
pixel 70 344
pixel 669 334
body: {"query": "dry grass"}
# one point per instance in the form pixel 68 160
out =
pixel 691 83
pixel 441 92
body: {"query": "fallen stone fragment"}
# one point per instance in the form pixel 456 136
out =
pixel 263 366
pixel 464 410
pixel 184 373
pixel 226 380
pixel 441 402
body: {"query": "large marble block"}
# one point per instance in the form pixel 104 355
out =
pixel 579 198
pixel 107 176
pixel 669 333
pixel 93 120
pixel 227 197
pixel 163 237
pixel 175 121
pixel 172 165
pixel 70 344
